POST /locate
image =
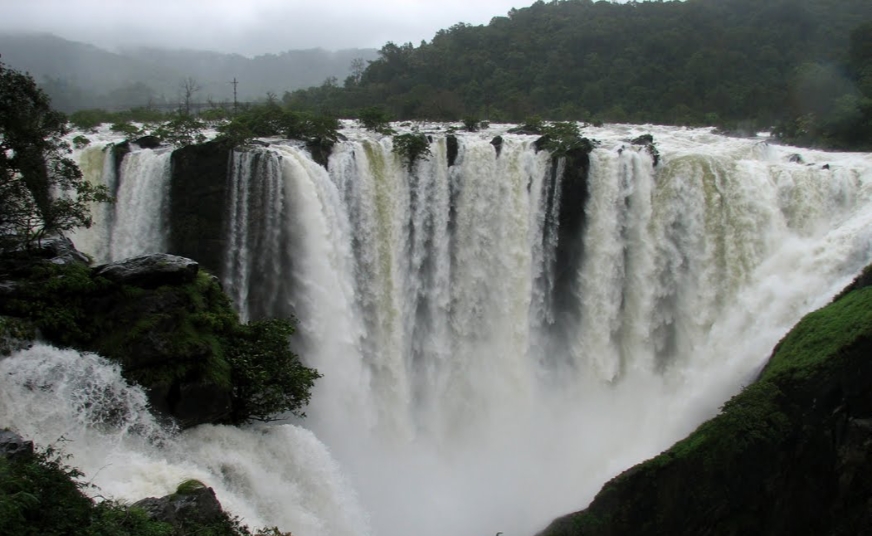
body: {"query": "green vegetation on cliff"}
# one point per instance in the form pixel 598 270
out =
pixel 787 456
pixel 42 191
pixel 183 341
pixel 42 496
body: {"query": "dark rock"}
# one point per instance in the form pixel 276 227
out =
pixel 198 202
pixel 60 250
pixel 498 144
pixel 320 149
pixel 644 139
pixel 148 142
pixel 119 151
pixel 452 146
pixel 259 143
pixel 795 159
pixel 13 446
pixel 825 166
pixel 198 507
pixel 201 402
pixel 647 140
pixel 150 271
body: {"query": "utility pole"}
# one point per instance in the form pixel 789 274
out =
pixel 235 105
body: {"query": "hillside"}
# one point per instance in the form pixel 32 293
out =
pixel 673 62
pixel 78 75
pixel 789 455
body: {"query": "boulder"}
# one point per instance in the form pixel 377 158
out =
pixel 498 144
pixel 148 142
pixel 196 507
pixel 150 271
pixel 13 446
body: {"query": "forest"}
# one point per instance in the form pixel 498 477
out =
pixel 801 66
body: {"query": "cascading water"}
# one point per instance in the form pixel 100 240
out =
pixel 141 208
pixel 482 371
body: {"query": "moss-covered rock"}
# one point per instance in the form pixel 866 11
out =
pixel 178 337
pixel 789 455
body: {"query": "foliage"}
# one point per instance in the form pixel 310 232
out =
pixel 42 191
pixel 272 119
pixel 832 107
pixel 411 147
pixel 181 130
pixel 40 495
pixel 80 142
pixel 268 378
pixel 376 119
pixel 665 62
pixel 54 298
pixel 471 123
pixel 199 331
pixel 127 128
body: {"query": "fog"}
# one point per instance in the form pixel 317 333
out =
pixel 247 27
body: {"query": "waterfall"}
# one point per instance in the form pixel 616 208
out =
pixel 280 475
pixel 142 204
pixel 483 371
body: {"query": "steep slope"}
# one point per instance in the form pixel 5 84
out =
pixel 789 455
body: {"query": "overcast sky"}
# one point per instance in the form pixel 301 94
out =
pixel 248 26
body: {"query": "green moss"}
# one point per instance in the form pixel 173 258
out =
pixel 189 486
pixel 821 335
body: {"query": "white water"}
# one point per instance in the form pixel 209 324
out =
pixel 457 398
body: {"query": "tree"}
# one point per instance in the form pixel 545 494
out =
pixel 188 87
pixel 42 191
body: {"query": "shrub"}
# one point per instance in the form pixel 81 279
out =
pixel 375 119
pixel 411 147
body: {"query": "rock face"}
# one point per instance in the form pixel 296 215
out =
pixel 163 320
pixel 150 271
pixel 198 202
pixel 13 446
pixel 197 507
pixel 790 455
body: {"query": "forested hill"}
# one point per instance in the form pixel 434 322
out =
pixel 693 61
pixel 78 75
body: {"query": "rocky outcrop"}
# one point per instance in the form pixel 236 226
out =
pixel 150 271
pixel 497 142
pixel 161 318
pixel 148 142
pixel 647 141
pixel 452 148
pixel 790 455
pixel 13 446
pixel 198 202
pixel 194 507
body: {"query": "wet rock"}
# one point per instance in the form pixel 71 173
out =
pixel 150 271
pixel 13 446
pixel 197 507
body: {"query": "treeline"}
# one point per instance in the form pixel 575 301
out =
pixel 735 63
